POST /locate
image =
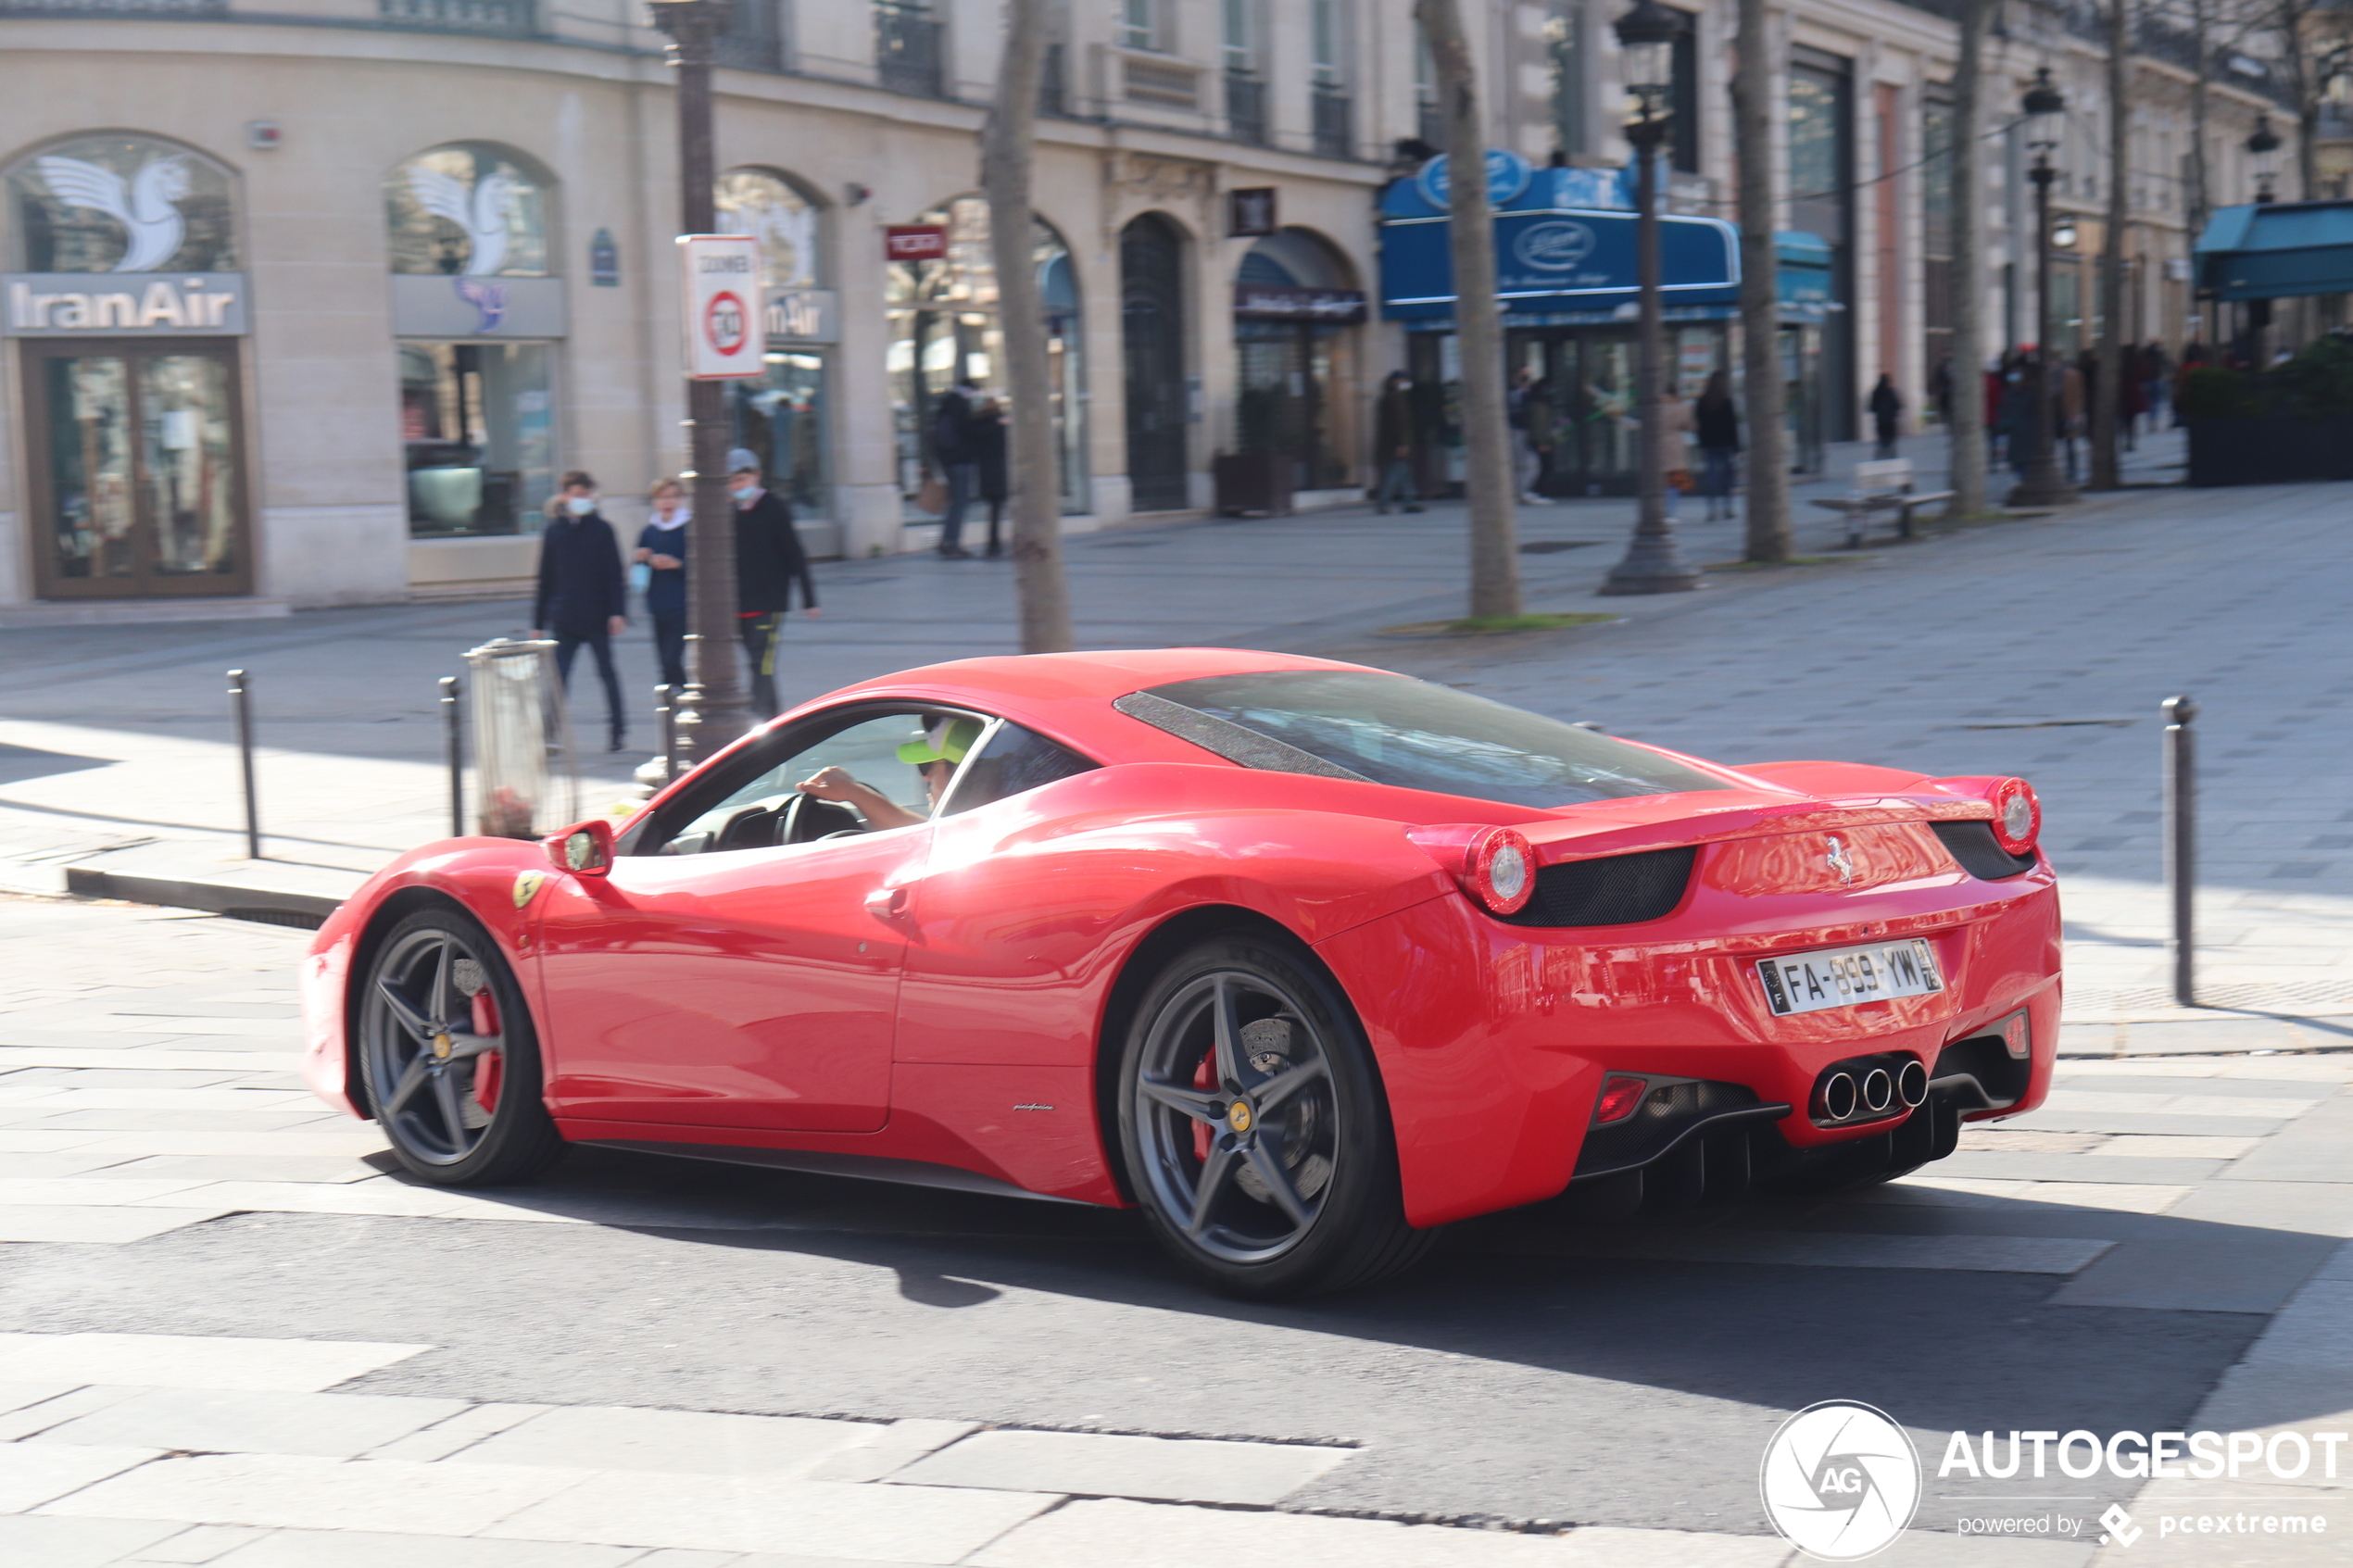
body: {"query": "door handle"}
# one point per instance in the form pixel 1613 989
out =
pixel 887 903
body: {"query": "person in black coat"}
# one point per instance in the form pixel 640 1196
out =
pixel 951 445
pixel 985 439
pixel 582 597
pixel 769 560
pixel 1886 405
pixel 1715 420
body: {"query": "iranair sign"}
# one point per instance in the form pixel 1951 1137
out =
pixel 719 287
pixel 120 304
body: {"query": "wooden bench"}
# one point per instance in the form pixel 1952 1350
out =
pixel 1882 487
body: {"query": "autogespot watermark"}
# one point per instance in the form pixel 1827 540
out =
pixel 1842 1481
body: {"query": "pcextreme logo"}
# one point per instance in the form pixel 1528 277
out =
pixel 1841 1481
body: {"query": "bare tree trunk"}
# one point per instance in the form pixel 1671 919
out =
pixel 2108 393
pixel 1038 578
pixel 1968 480
pixel 1769 520
pixel 1495 562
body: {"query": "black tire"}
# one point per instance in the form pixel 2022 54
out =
pixel 1279 1113
pixel 429 1064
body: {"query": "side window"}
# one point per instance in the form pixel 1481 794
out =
pixel 1014 759
pixel 757 812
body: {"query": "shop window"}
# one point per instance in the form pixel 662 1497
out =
pixel 476 427
pixel 764 205
pixel 780 420
pixel 114 203
pixel 943 326
pixel 468 209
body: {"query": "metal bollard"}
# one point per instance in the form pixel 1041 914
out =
pixel 2180 842
pixel 666 720
pixel 240 704
pixel 457 757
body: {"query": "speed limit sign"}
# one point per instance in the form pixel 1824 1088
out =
pixel 720 286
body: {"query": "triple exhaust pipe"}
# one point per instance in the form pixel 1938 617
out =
pixel 1870 1089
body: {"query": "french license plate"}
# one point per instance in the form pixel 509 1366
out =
pixel 1844 976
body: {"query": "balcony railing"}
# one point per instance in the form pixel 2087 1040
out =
pixel 512 19
pixel 1245 107
pixel 1335 124
pixel 907 49
pixel 753 38
pixel 114 8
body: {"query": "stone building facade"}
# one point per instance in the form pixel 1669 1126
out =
pixel 310 302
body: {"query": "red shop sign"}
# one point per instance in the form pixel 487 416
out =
pixel 915 242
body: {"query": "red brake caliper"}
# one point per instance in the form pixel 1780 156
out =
pixel 1204 1077
pixel 487 1066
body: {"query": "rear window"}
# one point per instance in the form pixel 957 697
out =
pixel 1395 730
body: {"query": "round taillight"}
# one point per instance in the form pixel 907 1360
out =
pixel 2018 816
pixel 1501 871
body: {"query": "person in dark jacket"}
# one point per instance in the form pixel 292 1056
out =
pixel 951 444
pixel 1393 445
pixel 1715 420
pixel 1887 406
pixel 582 598
pixel 769 560
pixel 661 550
pixel 985 439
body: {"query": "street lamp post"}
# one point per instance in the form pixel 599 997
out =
pixel 1654 563
pixel 2263 152
pixel 724 711
pixel 2040 482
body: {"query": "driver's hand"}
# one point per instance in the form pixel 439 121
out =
pixel 829 784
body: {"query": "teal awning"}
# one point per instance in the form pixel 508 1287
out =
pixel 2277 252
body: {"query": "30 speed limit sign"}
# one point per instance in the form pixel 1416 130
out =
pixel 720 286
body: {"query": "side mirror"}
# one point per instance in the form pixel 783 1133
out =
pixel 584 850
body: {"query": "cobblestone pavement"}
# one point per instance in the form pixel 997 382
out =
pixel 227 1335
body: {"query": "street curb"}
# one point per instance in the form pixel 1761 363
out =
pixel 270 905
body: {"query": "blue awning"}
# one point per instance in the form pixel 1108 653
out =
pixel 1802 271
pixel 2280 251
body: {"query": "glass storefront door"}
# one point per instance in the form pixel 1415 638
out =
pixel 138 476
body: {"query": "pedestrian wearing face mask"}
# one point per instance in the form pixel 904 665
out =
pixel 769 560
pixel 581 596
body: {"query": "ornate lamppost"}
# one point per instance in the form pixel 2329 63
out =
pixel 2263 152
pixel 723 709
pixel 1654 563
pixel 2040 482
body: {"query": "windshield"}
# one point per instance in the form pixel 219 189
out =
pixel 1395 730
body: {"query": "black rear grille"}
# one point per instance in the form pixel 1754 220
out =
pixel 1972 844
pixel 1668 1113
pixel 1614 890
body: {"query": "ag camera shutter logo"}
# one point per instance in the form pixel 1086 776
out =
pixel 1841 1481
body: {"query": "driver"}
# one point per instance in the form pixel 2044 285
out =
pixel 934 754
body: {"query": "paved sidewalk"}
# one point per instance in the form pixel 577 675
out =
pixel 146 1103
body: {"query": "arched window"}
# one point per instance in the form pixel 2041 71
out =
pixel 1295 347
pixel 120 202
pixel 765 204
pixel 943 328
pixel 468 209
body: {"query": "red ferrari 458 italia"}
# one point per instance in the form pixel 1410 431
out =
pixel 1303 959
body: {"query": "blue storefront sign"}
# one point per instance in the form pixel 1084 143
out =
pixel 1564 254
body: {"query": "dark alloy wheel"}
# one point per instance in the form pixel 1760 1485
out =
pixel 449 1056
pixel 1254 1126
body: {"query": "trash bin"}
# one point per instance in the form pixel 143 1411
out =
pixel 526 775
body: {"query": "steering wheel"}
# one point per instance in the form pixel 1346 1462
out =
pixel 804 816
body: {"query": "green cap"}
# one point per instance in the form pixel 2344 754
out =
pixel 945 741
